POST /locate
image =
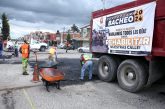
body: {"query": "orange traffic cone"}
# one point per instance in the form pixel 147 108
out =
pixel 35 74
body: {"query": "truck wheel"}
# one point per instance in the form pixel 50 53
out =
pixel 42 48
pixel 107 68
pixel 132 75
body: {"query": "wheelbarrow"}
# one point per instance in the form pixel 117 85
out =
pixel 50 74
pixel 51 77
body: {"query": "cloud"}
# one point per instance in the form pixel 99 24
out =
pixel 50 11
pixel 51 14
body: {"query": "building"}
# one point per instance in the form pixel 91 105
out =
pixel 78 39
pixel 84 39
pixel 41 36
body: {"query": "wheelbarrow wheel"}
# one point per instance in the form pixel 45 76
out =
pixel 58 85
pixel 44 83
pixel 47 86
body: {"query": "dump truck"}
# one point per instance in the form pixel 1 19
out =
pixel 129 41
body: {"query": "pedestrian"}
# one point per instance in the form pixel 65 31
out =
pixel 25 51
pixel 67 46
pixel 16 49
pixel 1 47
pixel 52 53
pixel 87 65
pixel 56 53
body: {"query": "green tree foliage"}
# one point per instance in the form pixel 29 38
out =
pixel 74 28
pixel 5 27
pixel 68 37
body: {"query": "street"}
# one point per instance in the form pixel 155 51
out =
pixel 18 92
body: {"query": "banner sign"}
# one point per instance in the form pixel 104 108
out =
pixel 128 32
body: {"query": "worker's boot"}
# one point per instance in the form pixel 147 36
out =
pixel 25 73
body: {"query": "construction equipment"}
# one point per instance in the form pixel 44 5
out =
pixel 51 76
pixel 49 73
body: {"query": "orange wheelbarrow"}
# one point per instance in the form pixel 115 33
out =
pixel 51 76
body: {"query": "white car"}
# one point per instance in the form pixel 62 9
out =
pixel 84 49
pixel 36 45
pixel 10 46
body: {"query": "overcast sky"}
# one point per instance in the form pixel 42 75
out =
pixel 26 16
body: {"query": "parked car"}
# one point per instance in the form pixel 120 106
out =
pixel 61 46
pixel 10 46
pixel 83 49
pixel 36 45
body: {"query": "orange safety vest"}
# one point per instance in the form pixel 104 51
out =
pixel 25 50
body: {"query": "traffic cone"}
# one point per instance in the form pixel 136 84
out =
pixel 35 74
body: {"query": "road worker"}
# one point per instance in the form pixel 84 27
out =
pixel 25 51
pixel 16 49
pixel 52 55
pixel 87 65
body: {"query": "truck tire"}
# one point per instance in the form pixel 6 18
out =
pixel 42 48
pixel 132 75
pixel 107 68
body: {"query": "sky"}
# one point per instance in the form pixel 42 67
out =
pixel 27 16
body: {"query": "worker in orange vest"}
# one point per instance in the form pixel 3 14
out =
pixel 25 51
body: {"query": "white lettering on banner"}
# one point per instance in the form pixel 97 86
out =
pixel 120 21
pixel 125 47
pixel 137 41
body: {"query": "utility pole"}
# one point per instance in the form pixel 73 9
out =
pixel 103 1
pixel 62 35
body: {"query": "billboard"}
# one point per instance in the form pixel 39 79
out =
pixel 128 32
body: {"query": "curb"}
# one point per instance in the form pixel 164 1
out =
pixel 19 87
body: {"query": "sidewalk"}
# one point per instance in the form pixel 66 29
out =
pixel 11 74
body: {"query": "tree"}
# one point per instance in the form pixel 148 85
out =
pixel 74 28
pixel 68 37
pixel 5 27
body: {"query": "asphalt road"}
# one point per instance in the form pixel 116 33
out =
pixel 75 94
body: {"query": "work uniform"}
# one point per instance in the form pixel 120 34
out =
pixel 16 50
pixel 52 53
pixel 25 50
pixel 87 65
pixel 1 48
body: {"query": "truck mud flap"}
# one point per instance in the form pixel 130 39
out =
pixel 156 71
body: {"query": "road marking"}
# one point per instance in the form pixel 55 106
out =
pixel 28 98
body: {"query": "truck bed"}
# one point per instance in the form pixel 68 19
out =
pixel 158 46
